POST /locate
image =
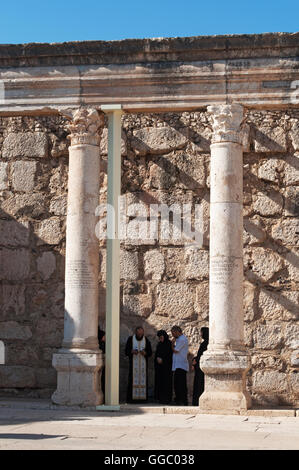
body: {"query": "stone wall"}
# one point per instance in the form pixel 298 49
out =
pixel 165 160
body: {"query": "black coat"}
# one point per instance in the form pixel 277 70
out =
pixel 163 372
pixel 199 384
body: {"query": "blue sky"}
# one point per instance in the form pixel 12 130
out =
pixel 23 21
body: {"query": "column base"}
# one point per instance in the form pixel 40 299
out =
pixel 78 378
pixel 225 382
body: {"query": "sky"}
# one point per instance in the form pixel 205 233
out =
pixel 25 21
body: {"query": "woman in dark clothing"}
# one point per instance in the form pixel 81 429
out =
pixel 198 386
pixel 163 369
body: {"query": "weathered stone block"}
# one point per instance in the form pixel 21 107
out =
pixel 180 170
pixel 46 264
pixel 59 179
pixel 58 205
pixel 294 134
pixel 268 336
pixel 4 183
pixel 291 170
pixel 268 204
pixel 291 201
pixel 49 232
pixel 265 263
pixel 294 383
pixel 202 300
pixel 154 265
pixel 287 232
pixel 249 301
pixel 45 377
pixel 292 263
pixel 13 300
pixel 157 140
pixel 278 306
pixel 14 330
pixel 268 171
pixel 160 178
pixel 191 170
pixel 59 147
pixel 174 264
pixel 192 332
pixel 23 177
pixel 23 354
pixel 25 144
pixel 17 377
pixel 269 382
pixel 270 139
pixel 175 300
pixel 31 205
pixel 202 139
pixel 267 361
pixel 14 264
pixel 291 335
pixel 254 231
pixel 137 305
pixel 14 233
pixel 129 265
pixel 196 263
pixel 51 330
pixel 295 359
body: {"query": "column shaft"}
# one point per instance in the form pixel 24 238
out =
pixel 79 361
pixel 82 260
pixel 226 248
pixel 226 362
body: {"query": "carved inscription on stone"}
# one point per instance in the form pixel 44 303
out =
pixel 221 270
pixel 79 275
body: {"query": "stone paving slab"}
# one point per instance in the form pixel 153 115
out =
pixel 35 425
pixel 54 429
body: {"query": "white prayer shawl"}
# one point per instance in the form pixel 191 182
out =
pixel 139 370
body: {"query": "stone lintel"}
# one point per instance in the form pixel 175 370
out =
pixel 254 70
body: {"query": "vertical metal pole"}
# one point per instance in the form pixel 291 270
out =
pixel 2 353
pixel 113 253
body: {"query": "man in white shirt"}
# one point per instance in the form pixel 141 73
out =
pixel 180 365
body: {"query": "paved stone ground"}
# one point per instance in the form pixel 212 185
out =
pixel 25 428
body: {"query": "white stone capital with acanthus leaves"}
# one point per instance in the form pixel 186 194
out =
pixel 85 125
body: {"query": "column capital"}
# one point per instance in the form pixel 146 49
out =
pixel 85 125
pixel 226 122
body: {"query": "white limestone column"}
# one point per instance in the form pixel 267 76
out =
pixel 226 361
pixel 79 360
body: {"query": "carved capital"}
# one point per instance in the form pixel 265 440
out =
pixel 85 125
pixel 226 122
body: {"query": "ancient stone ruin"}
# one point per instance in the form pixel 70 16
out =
pixel 210 122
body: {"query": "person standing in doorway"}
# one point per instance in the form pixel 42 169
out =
pixel 180 365
pixel 138 350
